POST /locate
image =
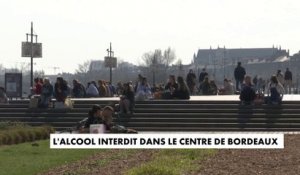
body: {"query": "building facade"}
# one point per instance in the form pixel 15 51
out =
pixel 223 56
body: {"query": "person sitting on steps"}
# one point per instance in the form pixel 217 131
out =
pixel 127 99
pixel 247 95
pixel 275 90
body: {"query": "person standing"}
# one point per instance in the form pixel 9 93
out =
pixel 239 74
pixel 191 81
pixel 288 81
pixel 280 77
pixel 202 75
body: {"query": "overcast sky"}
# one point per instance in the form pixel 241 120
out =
pixel 73 31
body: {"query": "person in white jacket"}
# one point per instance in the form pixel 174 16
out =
pixel 92 90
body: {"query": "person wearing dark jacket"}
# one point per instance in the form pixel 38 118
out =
pixel 247 95
pixel 205 88
pixel 191 81
pixel 78 90
pixel 111 127
pixel 94 116
pixel 288 81
pixel 171 86
pixel 127 99
pixel 46 94
pixel 60 90
pixel 202 75
pixel 3 96
pixel 182 92
pixel 239 73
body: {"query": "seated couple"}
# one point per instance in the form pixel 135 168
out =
pixel 103 116
pixel 275 92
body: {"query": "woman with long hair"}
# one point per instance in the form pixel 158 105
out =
pixel 60 90
pixel 182 92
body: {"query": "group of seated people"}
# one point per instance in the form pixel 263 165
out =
pixel 208 87
pixel 104 116
pixel 275 92
pixel 44 91
pixel 174 89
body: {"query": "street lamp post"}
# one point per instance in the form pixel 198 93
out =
pixel 153 69
pixel 31 53
pixel 224 62
pixel 110 54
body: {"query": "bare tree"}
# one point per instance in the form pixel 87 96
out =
pixel 83 68
pixel 157 58
pixel 148 59
pixel 39 73
pixel 169 56
pixel 180 67
pixel 157 63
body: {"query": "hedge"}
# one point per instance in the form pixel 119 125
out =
pixel 19 134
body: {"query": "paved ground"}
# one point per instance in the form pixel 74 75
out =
pixel 251 162
pixel 206 98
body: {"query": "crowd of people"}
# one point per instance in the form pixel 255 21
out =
pixel 251 91
pixel 174 88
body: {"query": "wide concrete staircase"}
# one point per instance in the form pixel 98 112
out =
pixel 168 115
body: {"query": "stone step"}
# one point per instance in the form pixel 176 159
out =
pixel 155 119
pixel 182 125
pixel 213 130
pixel 157 110
pixel 160 115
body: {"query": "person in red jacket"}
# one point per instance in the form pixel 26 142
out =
pixel 37 87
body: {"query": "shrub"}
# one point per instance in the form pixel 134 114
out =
pixel 2 139
pixel 24 134
pixel 32 135
pixel 17 138
pixel 4 125
pixel 9 139
pixel 38 133
pixel 20 133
